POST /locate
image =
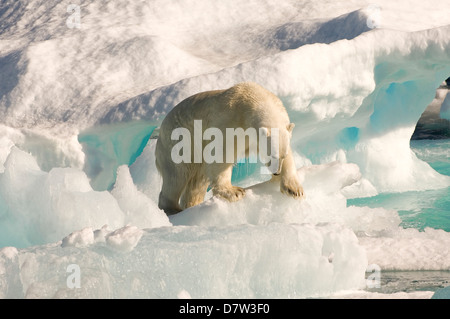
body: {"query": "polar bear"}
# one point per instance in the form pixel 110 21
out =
pixel 245 105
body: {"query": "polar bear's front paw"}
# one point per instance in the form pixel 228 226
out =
pixel 291 187
pixel 231 194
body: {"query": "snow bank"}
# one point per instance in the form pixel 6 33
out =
pixel 354 90
pixel 354 77
pixel 140 210
pixel 265 204
pixel 233 262
pixel 37 207
pixel 265 246
pixel 235 251
pixel 367 119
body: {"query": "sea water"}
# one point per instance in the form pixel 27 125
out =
pixel 419 209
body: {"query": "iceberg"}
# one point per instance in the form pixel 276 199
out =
pixel 40 207
pixel 80 106
pixel 204 262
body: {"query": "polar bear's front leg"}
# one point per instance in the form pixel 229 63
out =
pixel 220 177
pixel 290 184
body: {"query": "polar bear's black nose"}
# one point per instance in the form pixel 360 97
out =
pixel 276 174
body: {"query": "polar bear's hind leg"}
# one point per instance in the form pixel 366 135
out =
pixel 195 191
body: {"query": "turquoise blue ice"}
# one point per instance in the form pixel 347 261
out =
pixel 420 209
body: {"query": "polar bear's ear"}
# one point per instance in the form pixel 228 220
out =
pixel 265 131
pixel 290 127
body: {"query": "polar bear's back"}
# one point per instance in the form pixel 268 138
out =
pixel 244 105
pixel 257 105
pixel 254 96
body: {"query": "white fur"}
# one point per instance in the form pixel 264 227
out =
pixel 245 105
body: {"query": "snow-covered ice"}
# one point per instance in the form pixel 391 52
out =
pixel 78 105
pixel 205 262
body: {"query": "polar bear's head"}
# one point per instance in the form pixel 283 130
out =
pixel 278 141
